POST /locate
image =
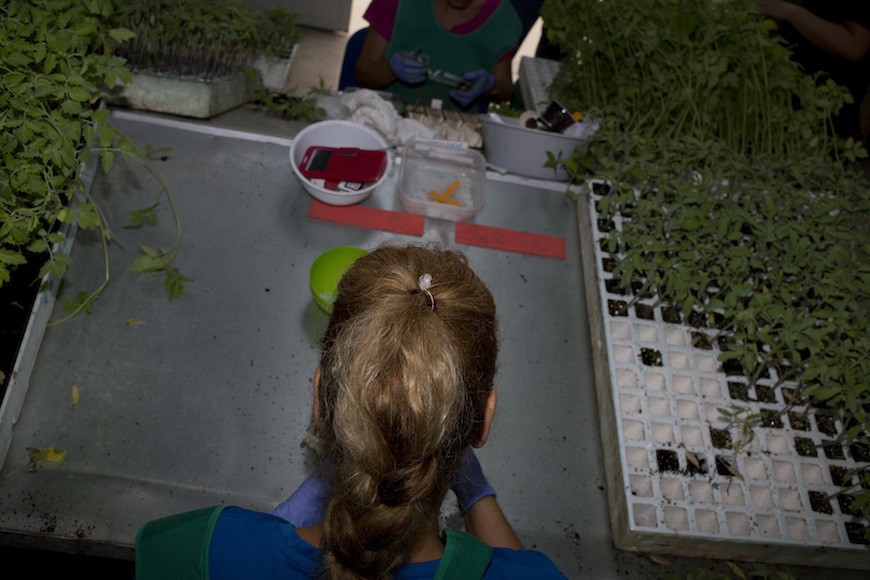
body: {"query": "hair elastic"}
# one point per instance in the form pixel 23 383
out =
pixel 424 282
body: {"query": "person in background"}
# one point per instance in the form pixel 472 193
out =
pixel 528 11
pixel 403 392
pixel 831 37
pixel 455 51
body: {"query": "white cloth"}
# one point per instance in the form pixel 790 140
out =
pixel 368 108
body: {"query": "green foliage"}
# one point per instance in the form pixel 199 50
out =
pixel 321 89
pixel 734 198
pixel 174 282
pixel 159 260
pixel 279 30
pixel 287 105
pixel 205 39
pixel 691 68
pixel 80 302
pixel 144 216
pixel 53 61
pixel 55 58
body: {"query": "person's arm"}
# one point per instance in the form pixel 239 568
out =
pixel 373 70
pixel 485 520
pixel 485 85
pixel 483 516
pixel 307 505
pixel 504 84
pixel 847 40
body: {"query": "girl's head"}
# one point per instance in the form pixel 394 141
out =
pixel 405 378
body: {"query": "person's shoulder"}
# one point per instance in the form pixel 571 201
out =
pixel 381 9
pixel 238 525
pixel 515 564
pixel 256 526
pixel 245 515
pixel 249 544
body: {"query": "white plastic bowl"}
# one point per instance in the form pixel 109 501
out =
pixel 337 134
pixel 523 151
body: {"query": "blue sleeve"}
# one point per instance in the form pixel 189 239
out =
pixel 520 564
pixel 248 544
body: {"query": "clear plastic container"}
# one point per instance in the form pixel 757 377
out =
pixel 431 170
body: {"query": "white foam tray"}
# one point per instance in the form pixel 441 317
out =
pixel 654 417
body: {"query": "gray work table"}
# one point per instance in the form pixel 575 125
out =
pixel 206 399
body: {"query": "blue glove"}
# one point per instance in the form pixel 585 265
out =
pixel 408 68
pixel 479 80
pixel 470 484
pixel 307 505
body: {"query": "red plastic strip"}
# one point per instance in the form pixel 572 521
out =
pixel 510 240
pixel 368 217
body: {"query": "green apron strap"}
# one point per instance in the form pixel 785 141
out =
pixel 465 557
pixel 176 546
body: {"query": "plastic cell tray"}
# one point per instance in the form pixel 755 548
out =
pixel 675 483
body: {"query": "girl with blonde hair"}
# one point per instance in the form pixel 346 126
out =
pixel 402 394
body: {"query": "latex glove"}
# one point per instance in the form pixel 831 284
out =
pixel 479 80
pixel 470 484
pixel 408 68
pixel 307 505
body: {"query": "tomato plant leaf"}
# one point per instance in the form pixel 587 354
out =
pixel 175 283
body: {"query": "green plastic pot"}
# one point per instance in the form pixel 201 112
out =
pixel 326 271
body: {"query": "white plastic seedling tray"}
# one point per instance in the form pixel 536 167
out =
pixel 675 484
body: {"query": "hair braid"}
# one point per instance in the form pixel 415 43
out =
pixel 402 393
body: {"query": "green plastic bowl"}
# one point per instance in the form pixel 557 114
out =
pixel 326 271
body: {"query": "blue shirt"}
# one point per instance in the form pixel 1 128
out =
pixel 248 544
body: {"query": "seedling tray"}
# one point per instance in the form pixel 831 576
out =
pixel 188 97
pixel 674 481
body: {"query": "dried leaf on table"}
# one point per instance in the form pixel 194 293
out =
pixel 49 454
pixel 737 570
pixel 659 560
